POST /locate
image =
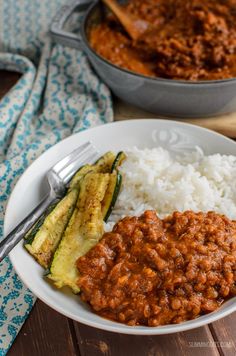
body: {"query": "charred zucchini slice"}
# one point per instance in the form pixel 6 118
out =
pixel 79 175
pixel 103 165
pixel 30 235
pixel 120 157
pixel 84 230
pixel 111 195
pixel 43 239
pixel 114 186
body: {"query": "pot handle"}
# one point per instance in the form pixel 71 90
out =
pixel 61 36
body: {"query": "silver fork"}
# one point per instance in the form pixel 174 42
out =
pixel 58 177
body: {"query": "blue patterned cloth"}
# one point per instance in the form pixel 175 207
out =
pixel 57 94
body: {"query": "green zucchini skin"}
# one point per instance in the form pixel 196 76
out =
pixel 45 241
pixel 120 157
pixel 84 230
pixel 111 194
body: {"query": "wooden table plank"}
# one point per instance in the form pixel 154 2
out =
pixel 224 332
pixel 224 124
pixel 45 332
pixel 103 343
pixel 7 80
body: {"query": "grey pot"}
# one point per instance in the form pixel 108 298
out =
pixel 161 96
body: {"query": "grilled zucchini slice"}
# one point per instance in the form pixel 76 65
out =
pixel 111 195
pixel 84 230
pixel 114 186
pixel 79 175
pixel 43 239
pixel 30 235
pixel 120 157
pixel 103 165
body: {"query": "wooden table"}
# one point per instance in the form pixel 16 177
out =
pixel 46 332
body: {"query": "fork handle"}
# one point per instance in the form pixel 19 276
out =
pixel 12 239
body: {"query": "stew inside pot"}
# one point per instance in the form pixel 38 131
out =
pixel 189 40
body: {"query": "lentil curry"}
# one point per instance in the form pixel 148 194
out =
pixel 189 40
pixel 149 271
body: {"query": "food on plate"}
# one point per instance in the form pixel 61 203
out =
pixel 42 240
pixel 189 40
pixel 165 181
pixel 149 271
pixel 103 165
pixel 111 194
pixel 76 221
pixel 84 230
pixel 169 251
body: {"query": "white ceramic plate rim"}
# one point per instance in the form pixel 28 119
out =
pixel 102 323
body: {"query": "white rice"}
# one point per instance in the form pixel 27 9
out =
pixel 154 179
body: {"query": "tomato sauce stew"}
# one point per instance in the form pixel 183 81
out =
pixel 188 40
pixel 152 272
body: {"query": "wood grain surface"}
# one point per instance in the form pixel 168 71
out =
pixel 225 124
pixel 7 80
pixel 46 332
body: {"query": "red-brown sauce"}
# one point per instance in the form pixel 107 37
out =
pixel 149 271
pixel 189 40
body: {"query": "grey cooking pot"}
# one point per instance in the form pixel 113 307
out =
pixel 161 96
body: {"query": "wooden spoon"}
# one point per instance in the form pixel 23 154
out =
pixel 133 26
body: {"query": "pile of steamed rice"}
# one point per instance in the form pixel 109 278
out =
pixel 154 179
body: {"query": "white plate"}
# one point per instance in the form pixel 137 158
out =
pixel 175 136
